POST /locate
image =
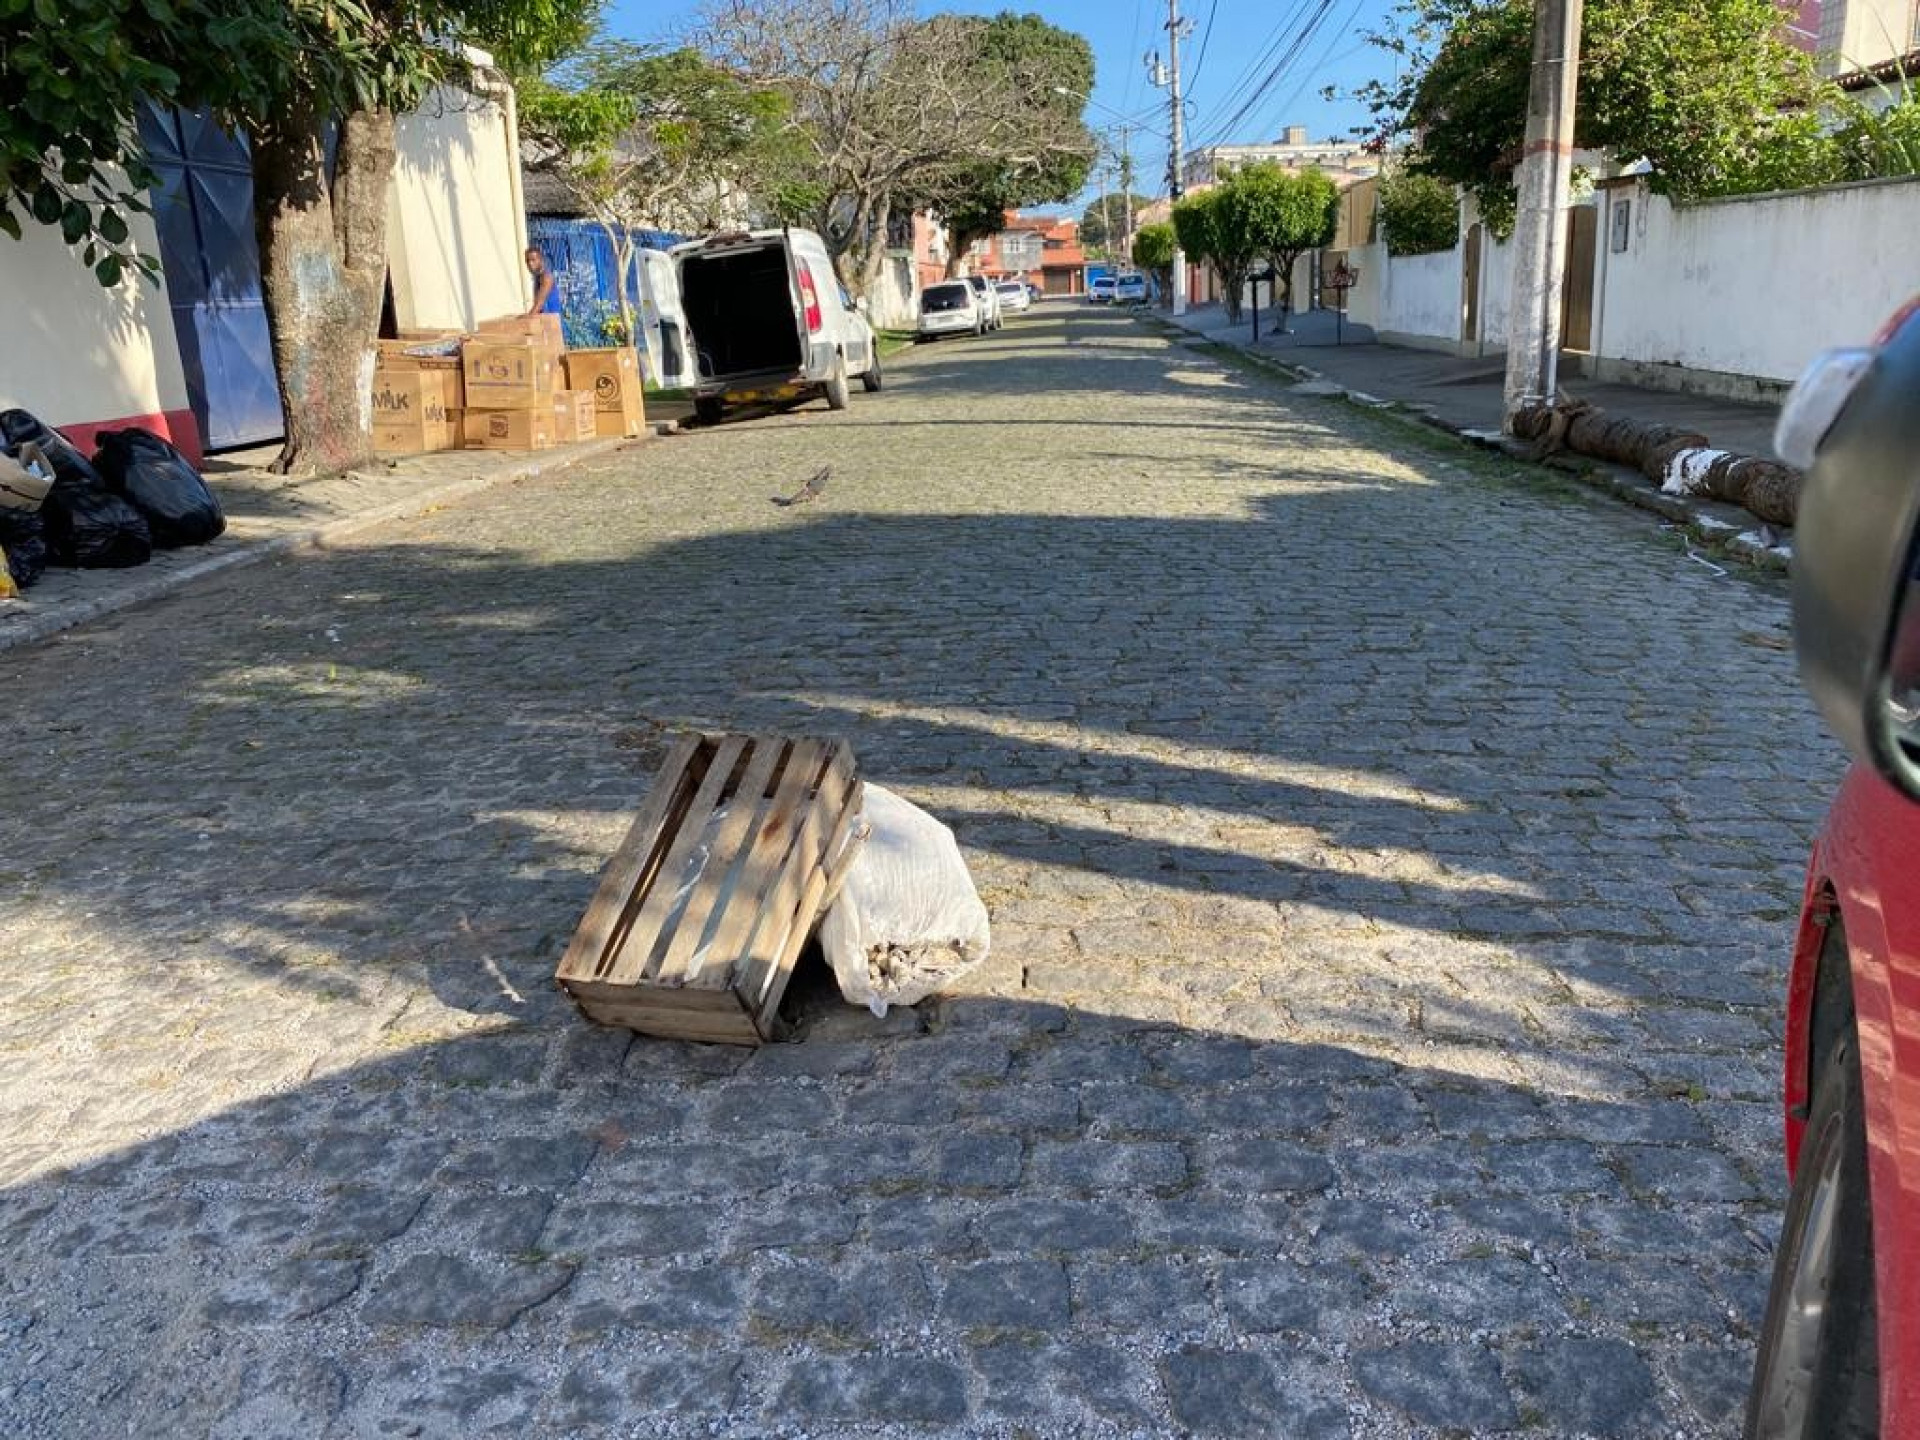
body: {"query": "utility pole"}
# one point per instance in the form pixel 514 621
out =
pixel 1540 231
pixel 1169 75
pixel 1126 190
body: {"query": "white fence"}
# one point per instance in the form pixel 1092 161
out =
pixel 1732 296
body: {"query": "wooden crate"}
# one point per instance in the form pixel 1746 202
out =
pixel 716 967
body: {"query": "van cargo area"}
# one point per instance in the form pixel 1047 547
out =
pixel 739 306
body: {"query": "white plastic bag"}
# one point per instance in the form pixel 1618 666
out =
pixel 908 921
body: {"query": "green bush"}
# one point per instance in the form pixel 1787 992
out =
pixel 1420 213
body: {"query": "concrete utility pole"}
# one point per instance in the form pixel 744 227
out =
pixel 1540 232
pixel 1126 190
pixel 1176 158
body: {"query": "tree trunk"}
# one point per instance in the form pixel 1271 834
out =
pixel 323 270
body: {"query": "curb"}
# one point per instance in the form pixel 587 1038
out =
pixel 37 628
pixel 1730 530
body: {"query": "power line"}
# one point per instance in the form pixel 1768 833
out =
pixel 1268 48
pixel 1205 35
pixel 1286 62
pixel 1320 63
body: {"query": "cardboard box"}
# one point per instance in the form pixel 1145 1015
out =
pixel 425 353
pixel 613 376
pixel 573 416
pixel 411 413
pixel 543 329
pixel 507 374
pixel 509 429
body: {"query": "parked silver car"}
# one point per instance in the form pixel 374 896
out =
pixel 989 300
pixel 949 308
pixel 1014 295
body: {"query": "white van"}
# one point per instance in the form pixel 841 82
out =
pixel 767 319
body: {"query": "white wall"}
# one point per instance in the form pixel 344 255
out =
pixel 1755 285
pixel 1417 295
pixel 456 223
pixel 77 354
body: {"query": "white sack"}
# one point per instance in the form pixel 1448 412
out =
pixel 908 921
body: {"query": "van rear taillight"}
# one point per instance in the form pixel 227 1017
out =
pixel 811 299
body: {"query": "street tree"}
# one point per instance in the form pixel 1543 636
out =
pixel 1043 149
pixel 1420 213
pixel 1211 226
pixel 1105 220
pixel 1153 251
pixel 291 73
pixel 1707 91
pixel 880 105
pixel 1283 214
pixel 645 138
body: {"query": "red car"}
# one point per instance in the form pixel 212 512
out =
pixel 1840 1348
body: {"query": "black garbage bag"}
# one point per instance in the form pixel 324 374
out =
pixel 93 528
pixel 23 536
pixel 87 524
pixel 162 486
pixel 17 427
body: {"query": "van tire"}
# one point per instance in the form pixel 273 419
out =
pixel 872 380
pixel 838 396
pixel 708 409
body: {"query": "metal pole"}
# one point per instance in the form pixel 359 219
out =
pixel 1540 234
pixel 1177 132
pixel 1126 188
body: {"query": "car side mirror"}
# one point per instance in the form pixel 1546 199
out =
pixel 1856 565
pixel 860 304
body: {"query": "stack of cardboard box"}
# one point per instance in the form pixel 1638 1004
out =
pixel 508 386
pixel 417 394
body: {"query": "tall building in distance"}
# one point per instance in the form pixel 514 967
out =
pixel 1293 151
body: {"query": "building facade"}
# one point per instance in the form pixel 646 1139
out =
pixel 1344 160
pixel 1043 250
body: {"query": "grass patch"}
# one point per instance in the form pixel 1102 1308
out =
pixel 892 342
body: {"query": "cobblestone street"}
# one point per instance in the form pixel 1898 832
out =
pixel 1392 857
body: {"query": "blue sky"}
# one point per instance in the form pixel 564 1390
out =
pixel 1235 43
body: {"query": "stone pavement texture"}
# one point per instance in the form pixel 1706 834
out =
pixel 268 514
pixel 1391 851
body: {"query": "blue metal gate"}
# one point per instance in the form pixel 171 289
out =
pixel 584 267
pixel 203 209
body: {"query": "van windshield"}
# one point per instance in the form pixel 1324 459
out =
pixel 945 297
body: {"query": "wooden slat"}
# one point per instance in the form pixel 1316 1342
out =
pixel 822 885
pixel 730 842
pixel 773 840
pixel 762 958
pixel 628 959
pixel 692 1001
pixel 623 871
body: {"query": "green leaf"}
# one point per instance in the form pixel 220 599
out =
pixel 75 221
pixel 108 271
pixel 113 227
pixel 48 203
pixel 10 222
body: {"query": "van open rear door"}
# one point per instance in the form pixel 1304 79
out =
pixel 668 349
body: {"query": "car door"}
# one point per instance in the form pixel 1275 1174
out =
pixel 668 352
pixel 858 346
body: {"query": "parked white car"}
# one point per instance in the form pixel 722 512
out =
pixel 768 320
pixel 989 300
pixel 1014 295
pixel 1100 292
pixel 1130 290
pixel 949 308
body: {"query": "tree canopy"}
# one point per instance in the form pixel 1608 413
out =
pixel 1706 91
pixel 1420 213
pixel 1104 222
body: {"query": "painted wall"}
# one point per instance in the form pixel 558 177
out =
pixel 457 226
pixel 1754 286
pixel 1415 295
pixel 83 358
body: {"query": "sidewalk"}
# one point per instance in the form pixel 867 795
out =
pixel 1463 395
pixel 269 514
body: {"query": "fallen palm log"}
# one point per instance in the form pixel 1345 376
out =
pixel 1681 461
